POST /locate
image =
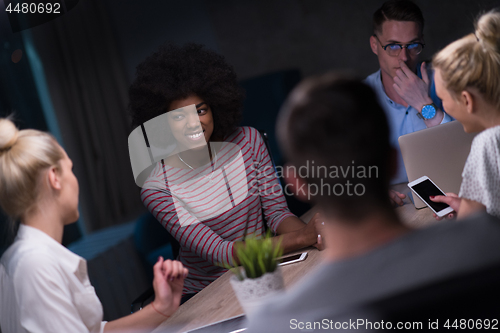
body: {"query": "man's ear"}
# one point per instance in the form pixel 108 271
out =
pixel 467 99
pixel 54 176
pixel 374 44
pixel 296 184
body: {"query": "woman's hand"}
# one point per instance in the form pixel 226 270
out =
pixel 168 282
pixel 294 234
pixel 450 199
pixel 313 231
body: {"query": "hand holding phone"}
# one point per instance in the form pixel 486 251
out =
pixel 451 199
pixel 424 188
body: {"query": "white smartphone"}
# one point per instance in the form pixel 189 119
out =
pixel 424 187
pixel 292 259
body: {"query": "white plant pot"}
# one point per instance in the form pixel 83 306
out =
pixel 251 293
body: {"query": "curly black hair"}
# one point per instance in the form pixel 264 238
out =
pixel 176 72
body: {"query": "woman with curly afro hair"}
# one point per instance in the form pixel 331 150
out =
pixel 212 191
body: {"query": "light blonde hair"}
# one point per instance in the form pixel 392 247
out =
pixel 474 60
pixel 23 156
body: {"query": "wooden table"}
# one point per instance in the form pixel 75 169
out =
pixel 218 301
pixel 408 214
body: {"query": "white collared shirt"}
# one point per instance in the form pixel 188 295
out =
pixel 46 288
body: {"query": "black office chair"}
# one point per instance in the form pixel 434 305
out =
pixel 149 235
pixel 266 141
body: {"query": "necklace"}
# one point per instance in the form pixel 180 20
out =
pixel 179 155
pixel 213 164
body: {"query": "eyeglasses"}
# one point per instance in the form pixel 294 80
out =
pixel 395 49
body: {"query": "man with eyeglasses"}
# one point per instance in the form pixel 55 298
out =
pixel 404 87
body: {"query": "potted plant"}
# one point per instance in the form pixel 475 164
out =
pixel 259 276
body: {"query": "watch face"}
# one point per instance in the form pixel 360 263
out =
pixel 428 111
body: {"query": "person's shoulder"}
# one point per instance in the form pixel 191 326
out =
pixel 246 133
pixel 481 232
pixel 489 138
pixel 476 236
pixel 25 259
pixel 490 134
pixel 156 180
pixel 372 79
pixel 275 315
pixel 306 297
pixel 302 303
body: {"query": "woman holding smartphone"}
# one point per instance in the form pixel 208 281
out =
pixel 467 75
pixel 45 287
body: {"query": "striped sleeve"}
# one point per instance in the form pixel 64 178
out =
pixel 271 193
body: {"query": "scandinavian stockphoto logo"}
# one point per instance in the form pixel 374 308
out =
pixel 28 14
pixel 334 180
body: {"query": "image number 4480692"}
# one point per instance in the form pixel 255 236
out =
pixel 28 14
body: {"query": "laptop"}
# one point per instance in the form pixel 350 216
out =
pixel 439 153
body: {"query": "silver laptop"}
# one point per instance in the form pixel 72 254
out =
pixel 439 153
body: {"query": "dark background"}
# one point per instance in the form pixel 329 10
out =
pixel 259 37
pixel 256 37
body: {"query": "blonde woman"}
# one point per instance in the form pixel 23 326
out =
pixel 43 286
pixel 468 81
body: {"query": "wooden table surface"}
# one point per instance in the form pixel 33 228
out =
pixel 218 301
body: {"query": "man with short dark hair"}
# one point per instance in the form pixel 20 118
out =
pixel 336 122
pixel 404 87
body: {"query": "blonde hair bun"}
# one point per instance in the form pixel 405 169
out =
pixel 21 167
pixel 8 134
pixel 488 30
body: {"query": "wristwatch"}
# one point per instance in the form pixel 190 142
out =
pixel 428 111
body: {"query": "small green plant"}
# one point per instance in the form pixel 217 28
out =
pixel 257 257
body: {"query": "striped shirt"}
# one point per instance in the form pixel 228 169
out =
pixel 209 208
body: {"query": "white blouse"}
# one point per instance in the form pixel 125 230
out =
pixel 46 288
pixel 481 175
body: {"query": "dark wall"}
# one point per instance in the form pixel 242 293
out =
pixel 259 37
pixel 141 26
